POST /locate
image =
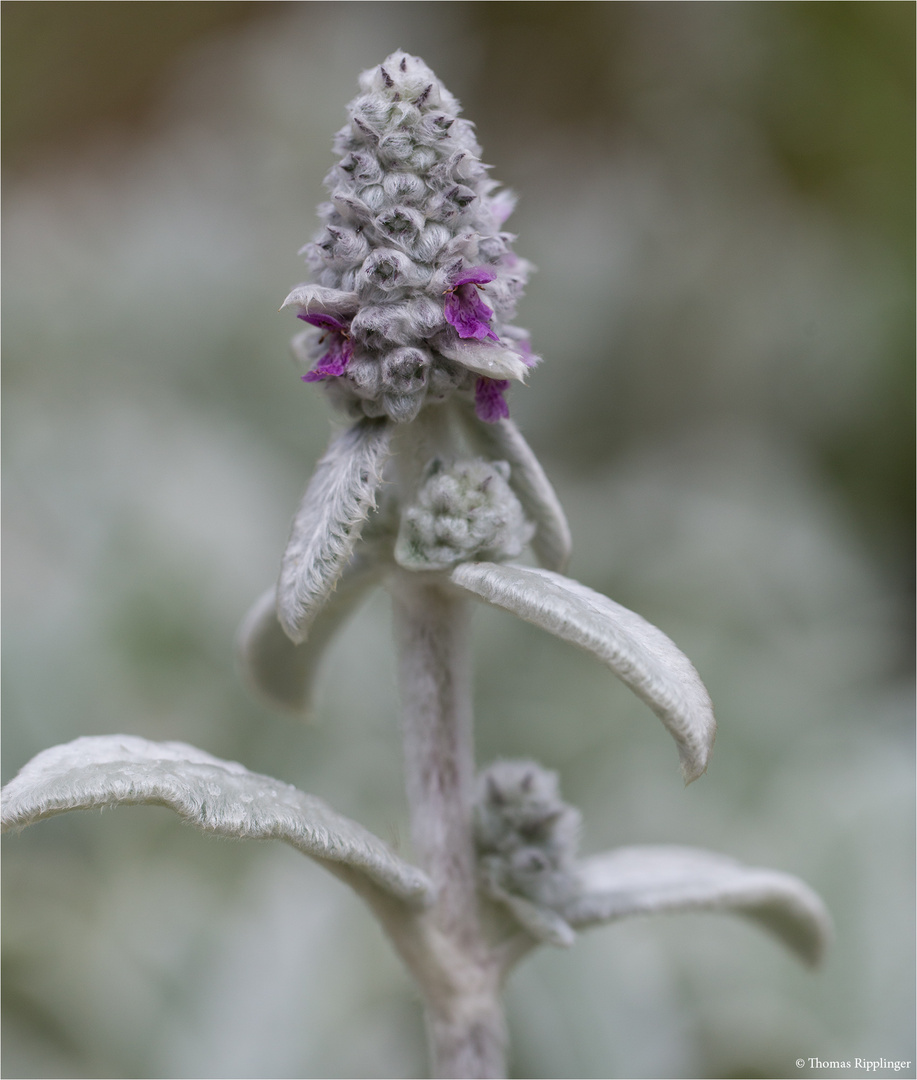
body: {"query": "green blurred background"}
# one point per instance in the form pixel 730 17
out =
pixel 719 197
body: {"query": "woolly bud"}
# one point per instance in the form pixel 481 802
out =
pixel 463 511
pixel 526 838
pixel 520 816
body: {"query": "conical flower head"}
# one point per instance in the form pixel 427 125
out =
pixel 415 281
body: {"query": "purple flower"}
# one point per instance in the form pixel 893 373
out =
pixel 340 347
pixel 489 402
pixel 465 310
pixel 524 348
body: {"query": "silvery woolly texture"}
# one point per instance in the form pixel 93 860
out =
pixel 220 797
pixel 653 880
pixel 462 511
pixel 640 654
pixel 340 496
pixel 519 813
pixel 415 280
pixel 526 839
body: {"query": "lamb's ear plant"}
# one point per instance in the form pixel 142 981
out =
pixel 432 491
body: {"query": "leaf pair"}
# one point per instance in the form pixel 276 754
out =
pixel 225 799
pixel 342 494
pixel 320 557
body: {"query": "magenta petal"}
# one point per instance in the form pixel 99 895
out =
pixel 475 275
pixel 465 310
pixel 325 322
pixel 340 347
pixel 489 402
pixel 333 362
pixel 468 313
pixel 524 347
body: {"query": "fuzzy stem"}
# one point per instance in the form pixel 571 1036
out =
pixel 459 974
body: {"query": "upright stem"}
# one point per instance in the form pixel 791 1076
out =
pixel 457 968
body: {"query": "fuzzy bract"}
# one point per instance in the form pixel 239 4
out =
pixel 411 255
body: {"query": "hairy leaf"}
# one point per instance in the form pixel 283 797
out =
pixel 280 671
pixel 493 361
pixel 635 650
pixel 504 442
pixel 337 501
pixel 316 299
pixel 538 920
pixel 217 796
pixel 647 880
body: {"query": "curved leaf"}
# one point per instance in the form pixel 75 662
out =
pixel 646 880
pixel 503 441
pixel 337 502
pixel 316 299
pixel 276 668
pixel 635 650
pixel 538 920
pixel 493 361
pixel 216 796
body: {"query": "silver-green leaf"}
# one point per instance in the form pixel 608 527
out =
pixel 339 498
pixel 636 651
pixel 648 880
pixel 538 920
pixel 492 361
pixel 280 671
pixel 504 442
pixel 318 299
pixel 220 797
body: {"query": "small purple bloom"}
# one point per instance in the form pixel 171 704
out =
pixel 524 348
pixel 489 402
pixel 340 347
pixel 465 310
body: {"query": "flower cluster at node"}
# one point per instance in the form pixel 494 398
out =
pixel 462 511
pixel 523 827
pixel 415 280
pixel 526 838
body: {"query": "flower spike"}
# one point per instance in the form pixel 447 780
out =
pixel 412 242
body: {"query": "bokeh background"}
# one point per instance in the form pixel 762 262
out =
pixel 719 197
